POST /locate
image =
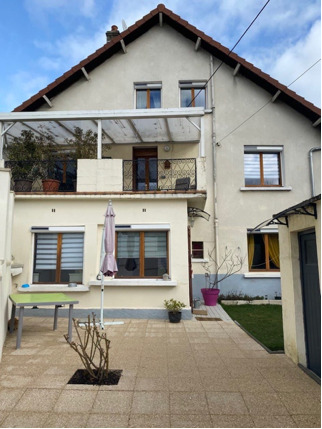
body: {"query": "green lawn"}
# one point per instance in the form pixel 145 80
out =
pixel 264 322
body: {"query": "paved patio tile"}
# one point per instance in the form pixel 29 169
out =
pixel 150 403
pixel 226 403
pixel 154 383
pixel 189 383
pixel 251 386
pixel 149 421
pixel 66 420
pixel 3 415
pixel 191 421
pixel 188 402
pixel 171 378
pixel 19 419
pixel 113 402
pixel 230 421
pixel 216 384
pixel 37 399
pixel 262 403
pixel 102 420
pixel 274 422
pixel 15 380
pixel 295 385
pixel 73 401
pixel 301 403
pixel 51 381
pixel 308 421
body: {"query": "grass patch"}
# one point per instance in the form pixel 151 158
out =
pixel 264 322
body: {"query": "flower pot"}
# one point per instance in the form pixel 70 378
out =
pixel 210 296
pixel 50 185
pixel 174 317
pixel 23 185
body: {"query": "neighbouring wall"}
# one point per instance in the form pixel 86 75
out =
pixel 6 214
pixel 293 323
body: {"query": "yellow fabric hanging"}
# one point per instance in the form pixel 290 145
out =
pixel 273 249
pixel 251 250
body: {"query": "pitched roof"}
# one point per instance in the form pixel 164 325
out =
pixel 189 31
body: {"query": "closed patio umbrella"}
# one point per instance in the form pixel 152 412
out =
pixel 108 263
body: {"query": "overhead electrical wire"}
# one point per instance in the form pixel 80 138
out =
pixel 231 50
pixel 268 102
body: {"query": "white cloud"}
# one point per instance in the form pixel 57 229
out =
pixel 40 10
pixel 24 84
pixel 298 58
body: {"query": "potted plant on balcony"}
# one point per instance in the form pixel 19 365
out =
pixel 83 145
pixel 24 154
pixel 49 155
pixel 218 271
pixel 174 309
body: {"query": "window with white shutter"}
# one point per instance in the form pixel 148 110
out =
pixel 58 257
pixel 262 166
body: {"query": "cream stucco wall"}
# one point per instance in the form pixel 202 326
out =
pixel 6 215
pixel 293 323
pixel 89 212
pixel 160 55
pixel 236 99
pixel 163 55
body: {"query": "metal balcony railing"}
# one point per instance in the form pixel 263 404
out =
pixel 151 174
pixel 29 175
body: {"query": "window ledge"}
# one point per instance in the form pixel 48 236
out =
pixel 200 260
pixel 266 188
pixel 53 288
pixel 135 282
pixel 266 275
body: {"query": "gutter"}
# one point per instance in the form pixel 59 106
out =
pixel 314 149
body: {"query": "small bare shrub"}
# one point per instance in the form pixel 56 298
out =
pixel 93 348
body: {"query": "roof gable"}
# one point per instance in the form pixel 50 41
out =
pixel 161 13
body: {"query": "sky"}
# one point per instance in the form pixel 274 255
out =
pixel 42 39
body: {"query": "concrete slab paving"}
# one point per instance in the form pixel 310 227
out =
pixel 192 374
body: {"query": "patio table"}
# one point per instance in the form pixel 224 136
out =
pixel 37 299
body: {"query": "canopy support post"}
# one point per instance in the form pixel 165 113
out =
pixel 99 139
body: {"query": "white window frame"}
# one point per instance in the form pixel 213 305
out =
pixel 54 230
pixel 267 149
pixel 261 273
pixel 146 86
pixel 197 85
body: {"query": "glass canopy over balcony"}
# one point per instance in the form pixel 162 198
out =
pixel 141 126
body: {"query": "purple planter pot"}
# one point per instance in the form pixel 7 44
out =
pixel 210 296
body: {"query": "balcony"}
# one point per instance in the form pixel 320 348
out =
pixel 29 175
pixel 110 175
pixel 159 174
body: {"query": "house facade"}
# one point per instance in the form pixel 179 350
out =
pixel 187 153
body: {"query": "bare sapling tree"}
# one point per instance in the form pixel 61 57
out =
pixel 93 348
pixel 230 263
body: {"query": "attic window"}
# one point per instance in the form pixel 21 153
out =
pixel 148 95
pixel 192 94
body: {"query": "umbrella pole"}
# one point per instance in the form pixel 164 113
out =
pixel 102 323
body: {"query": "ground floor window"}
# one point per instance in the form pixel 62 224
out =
pixel 142 253
pixel 58 258
pixel 263 252
pixel 197 250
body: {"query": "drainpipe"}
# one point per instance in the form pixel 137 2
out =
pixel 314 149
pixel 214 160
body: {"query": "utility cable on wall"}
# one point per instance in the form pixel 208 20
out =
pixel 268 102
pixel 231 50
